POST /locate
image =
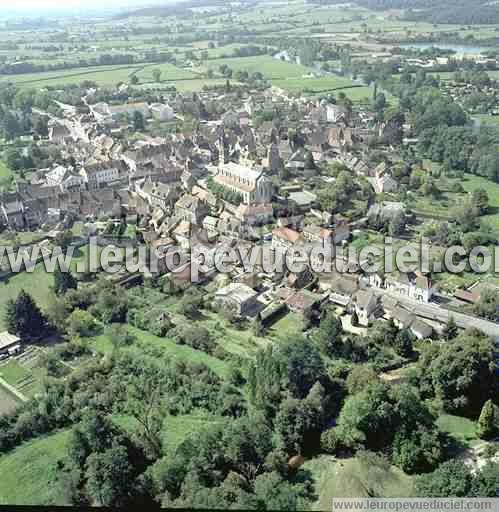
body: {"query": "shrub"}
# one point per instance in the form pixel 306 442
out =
pixel 81 323
pixel 329 441
pixel 72 350
pixel 197 337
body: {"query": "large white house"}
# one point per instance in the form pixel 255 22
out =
pixel 239 297
pixel 162 112
pixel 65 179
pixel 100 174
pixel 104 112
pixel 253 186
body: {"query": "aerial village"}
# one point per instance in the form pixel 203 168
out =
pixel 229 182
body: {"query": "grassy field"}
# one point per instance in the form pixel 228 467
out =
pixel 24 237
pixel 102 75
pixel 29 472
pixel 111 75
pixel 175 428
pixel 364 95
pixel 334 84
pixel 302 19
pixel 289 325
pixel 360 94
pixel 461 429
pixel 103 345
pixel 441 209
pixel 191 85
pixel 25 378
pixel 493 74
pixel 180 351
pixel 427 207
pixel 221 52
pixel 169 72
pixel 37 283
pixel 237 341
pixel 269 67
pixel 5 172
pixel 13 372
pixel 240 342
pixel 355 478
pixel 34 463
pixel 451 282
pixel 471 183
pixel 449 75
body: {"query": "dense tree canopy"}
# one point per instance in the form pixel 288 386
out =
pixel 459 374
pixel 455 479
pixel 379 417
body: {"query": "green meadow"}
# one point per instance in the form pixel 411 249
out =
pixel 5 172
pixel 29 471
pixel 449 200
pixel 355 478
pixel 169 72
pixel 102 75
pixel 269 67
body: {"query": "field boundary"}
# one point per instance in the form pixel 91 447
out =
pixel 13 390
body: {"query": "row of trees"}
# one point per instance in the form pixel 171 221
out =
pixel 224 193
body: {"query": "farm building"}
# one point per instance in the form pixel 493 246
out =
pixel 9 344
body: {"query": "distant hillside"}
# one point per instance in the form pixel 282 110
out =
pixel 176 9
pixel 459 12
pixel 382 4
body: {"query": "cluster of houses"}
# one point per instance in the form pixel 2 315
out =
pixel 108 172
pixel 222 183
